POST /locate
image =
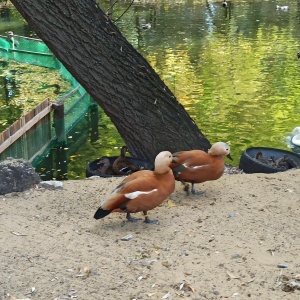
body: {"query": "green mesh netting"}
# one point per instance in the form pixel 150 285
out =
pixel 76 100
pixel 27 50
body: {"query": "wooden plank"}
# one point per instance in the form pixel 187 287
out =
pixel 18 131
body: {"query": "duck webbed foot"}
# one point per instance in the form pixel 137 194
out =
pixel 148 221
pixel 194 192
pixel 132 219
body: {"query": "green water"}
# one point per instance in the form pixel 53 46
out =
pixel 234 69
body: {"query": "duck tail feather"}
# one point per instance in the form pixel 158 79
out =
pixel 101 213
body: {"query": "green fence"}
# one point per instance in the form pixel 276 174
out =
pixel 67 110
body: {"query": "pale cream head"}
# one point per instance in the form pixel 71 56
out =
pixel 219 149
pixel 162 162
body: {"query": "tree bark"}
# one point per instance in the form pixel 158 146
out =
pixel 145 112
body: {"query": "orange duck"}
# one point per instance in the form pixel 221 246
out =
pixel 141 191
pixel 122 166
pixel 196 166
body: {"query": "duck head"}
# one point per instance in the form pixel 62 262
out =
pixel 124 150
pixel 220 149
pixel 163 161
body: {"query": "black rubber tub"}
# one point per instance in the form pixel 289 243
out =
pixel 93 168
pixel 249 163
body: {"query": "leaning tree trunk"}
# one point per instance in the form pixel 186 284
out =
pixel 143 109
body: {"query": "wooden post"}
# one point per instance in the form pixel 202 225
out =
pixel 59 123
pixel 61 145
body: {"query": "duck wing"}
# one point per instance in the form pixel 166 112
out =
pixel 191 160
pixel 130 188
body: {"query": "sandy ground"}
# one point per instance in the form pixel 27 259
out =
pixel 231 242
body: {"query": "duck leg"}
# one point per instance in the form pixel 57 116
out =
pixel 147 220
pixel 132 219
pixel 186 187
pixel 194 192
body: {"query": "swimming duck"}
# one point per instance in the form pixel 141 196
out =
pixel 283 7
pixel 141 191
pixel 146 26
pixel 122 166
pixel 196 166
pixel 296 136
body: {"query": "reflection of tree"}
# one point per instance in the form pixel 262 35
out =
pixel 9 85
pixel 231 64
pixel 119 79
pixel 4 13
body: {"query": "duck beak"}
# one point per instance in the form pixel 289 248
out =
pixel 173 160
pixel 229 157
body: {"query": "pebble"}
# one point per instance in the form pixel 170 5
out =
pixel 127 237
pixel 282 266
pixel 51 184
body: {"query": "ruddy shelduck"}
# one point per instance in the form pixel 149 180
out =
pixel 196 166
pixel 141 191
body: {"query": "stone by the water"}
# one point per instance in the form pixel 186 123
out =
pixel 17 175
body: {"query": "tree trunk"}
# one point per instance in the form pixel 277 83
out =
pixel 143 109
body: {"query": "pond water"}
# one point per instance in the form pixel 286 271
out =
pixel 234 69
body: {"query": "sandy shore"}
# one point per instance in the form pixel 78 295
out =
pixel 239 240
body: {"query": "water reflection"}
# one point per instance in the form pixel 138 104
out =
pixel 235 69
pixel 4 13
pixel 9 85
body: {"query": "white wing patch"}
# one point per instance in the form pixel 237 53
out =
pixel 135 194
pixel 195 167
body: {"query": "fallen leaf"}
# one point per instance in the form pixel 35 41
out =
pixel 170 203
pixel 84 272
pixel 191 288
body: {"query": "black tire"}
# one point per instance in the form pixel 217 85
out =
pixel 249 164
pixel 92 168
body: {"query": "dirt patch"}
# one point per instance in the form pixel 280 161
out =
pixel 238 240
